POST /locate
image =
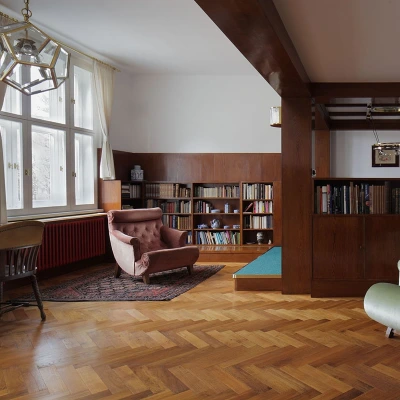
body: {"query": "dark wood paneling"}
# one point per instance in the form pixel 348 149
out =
pixel 200 167
pixel 256 29
pixel 323 92
pixel 382 250
pixel 338 247
pixel 296 195
pixel 322 153
pixel 364 125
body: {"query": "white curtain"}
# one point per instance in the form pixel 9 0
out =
pixel 104 89
pixel 3 205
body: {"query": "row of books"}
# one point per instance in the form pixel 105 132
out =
pixel 217 191
pixel 176 206
pixel 166 190
pixel 176 222
pixel 189 239
pixel 258 221
pixel 363 198
pixel 260 206
pixel 257 191
pixel 130 191
pixel 220 237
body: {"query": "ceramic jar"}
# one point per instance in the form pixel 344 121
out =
pixel 136 173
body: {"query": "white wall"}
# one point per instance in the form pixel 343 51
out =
pixel 351 154
pixel 194 114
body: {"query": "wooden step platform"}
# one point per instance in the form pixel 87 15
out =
pixel 216 253
pixel 264 273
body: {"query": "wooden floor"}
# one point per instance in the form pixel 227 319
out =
pixel 209 343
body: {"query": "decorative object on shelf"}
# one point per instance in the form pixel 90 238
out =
pixel 384 157
pixel 215 211
pixel 227 208
pixel 236 226
pixel 260 237
pixel 136 173
pixel 269 241
pixel 202 226
pixel 32 62
pixel 215 224
pixel 383 154
pixel 236 211
pixel 275 117
pixel 227 226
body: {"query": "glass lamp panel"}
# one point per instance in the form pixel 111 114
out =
pixel 84 181
pixel 32 47
pixel 10 27
pixel 83 108
pixel 11 135
pixel 48 167
pixel 12 101
pixel 61 66
pixel 47 54
pixel 49 105
pixel 6 59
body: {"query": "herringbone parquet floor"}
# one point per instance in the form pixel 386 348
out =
pixel 209 343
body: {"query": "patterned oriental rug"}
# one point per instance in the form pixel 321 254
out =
pixel 102 286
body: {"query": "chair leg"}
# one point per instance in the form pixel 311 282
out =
pixel 190 269
pixel 38 297
pixel 117 271
pixel 389 332
pixel 146 279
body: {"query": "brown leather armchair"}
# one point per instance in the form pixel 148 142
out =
pixel 142 245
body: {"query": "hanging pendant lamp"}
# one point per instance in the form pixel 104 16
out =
pixel 30 60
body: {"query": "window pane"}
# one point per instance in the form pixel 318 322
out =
pixel 83 109
pixel 49 106
pixel 11 133
pixel 84 181
pixel 12 101
pixel 48 167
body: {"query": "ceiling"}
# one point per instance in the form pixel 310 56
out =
pixel 339 41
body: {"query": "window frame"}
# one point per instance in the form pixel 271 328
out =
pixel 27 122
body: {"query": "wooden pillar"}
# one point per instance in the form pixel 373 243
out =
pixel 296 196
pixel 322 147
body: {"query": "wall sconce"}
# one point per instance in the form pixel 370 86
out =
pixel 275 118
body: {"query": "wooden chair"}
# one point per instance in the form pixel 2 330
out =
pixel 19 247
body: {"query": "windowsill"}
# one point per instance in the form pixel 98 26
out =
pixel 59 216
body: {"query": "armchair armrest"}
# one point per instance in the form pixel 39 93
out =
pixel 173 237
pixel 133 241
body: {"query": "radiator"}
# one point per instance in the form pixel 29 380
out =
pixel 70 241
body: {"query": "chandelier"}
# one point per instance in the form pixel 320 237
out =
pixel 30 60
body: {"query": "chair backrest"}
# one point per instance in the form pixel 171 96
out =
pixel 19 247
pixel 143 223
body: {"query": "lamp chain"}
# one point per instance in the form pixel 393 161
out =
pixel 26 12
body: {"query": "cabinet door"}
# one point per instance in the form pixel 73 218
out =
pixel 382 246
pixel 338 247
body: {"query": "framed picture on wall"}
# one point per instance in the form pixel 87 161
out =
pixel 386 158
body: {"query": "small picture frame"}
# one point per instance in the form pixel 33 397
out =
pixel 389 158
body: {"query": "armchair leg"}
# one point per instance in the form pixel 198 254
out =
pixel 117 271
pixel 389 332
pixel 190 269
pixel 146 279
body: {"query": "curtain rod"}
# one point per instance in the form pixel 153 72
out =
pixel 66 45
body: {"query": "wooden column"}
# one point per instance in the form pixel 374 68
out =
pixel 296 196
pixel 322 146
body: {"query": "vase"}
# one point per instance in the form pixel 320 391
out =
pixel 260 237
pixel 136 173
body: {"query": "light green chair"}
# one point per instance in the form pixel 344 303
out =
pixel 382 304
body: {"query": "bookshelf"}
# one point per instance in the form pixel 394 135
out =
pixel 216 201
pixel 242 208
pixel 356 241
pixel 257 211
